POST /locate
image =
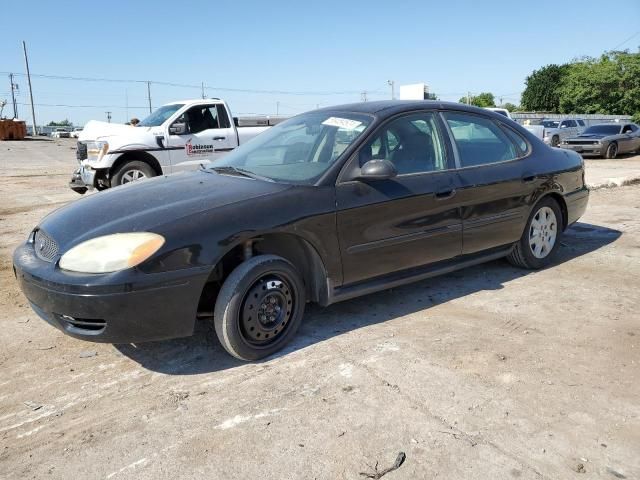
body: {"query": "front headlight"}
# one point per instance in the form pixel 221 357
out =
pixel 111 253
pixel 96 150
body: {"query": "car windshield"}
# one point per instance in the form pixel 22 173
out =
pixel 159 116
pixel 300 149
pixel 603 129
pixel 550 123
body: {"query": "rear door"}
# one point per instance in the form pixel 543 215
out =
pixel 209 136
pixel 411 220
pixel 495 184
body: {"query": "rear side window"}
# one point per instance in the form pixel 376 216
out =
pixel 519 140
pixel 479 140
pixel 571 123
pixel 581 123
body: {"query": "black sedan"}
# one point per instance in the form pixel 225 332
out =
pixel 324 207
pixel 605 140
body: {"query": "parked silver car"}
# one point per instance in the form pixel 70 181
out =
pixel 605 140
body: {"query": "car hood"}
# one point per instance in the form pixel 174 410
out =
pixel 594 136
pixel 149 204
pixel 118 135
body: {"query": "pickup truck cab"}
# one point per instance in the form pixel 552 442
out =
pixel 177 136
pixel 557 130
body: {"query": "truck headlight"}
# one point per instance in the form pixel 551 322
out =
pixel 111 253
pixel 96 150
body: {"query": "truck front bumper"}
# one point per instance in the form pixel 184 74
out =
pixel 83 179
pixel 154 306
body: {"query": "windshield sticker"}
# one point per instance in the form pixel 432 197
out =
pixel 197 149
pixel 345 123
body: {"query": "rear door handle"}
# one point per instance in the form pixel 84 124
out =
pixel 529 179
pixel 219 138
pixel 444 194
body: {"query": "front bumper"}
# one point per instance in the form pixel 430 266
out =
pixel 585 150
pixel 125 307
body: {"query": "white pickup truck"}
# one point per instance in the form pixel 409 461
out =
pixel 177 136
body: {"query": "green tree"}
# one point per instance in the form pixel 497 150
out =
pixel 511 107
pixel 484 99
pixel 636 117
pixel 608 85
pixel 541 93
pixel 62 123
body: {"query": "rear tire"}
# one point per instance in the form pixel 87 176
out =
pixel 259 307
pixel 132 171
pixel 541 237
pixel 612 151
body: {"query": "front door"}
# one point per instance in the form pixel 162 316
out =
pixel 208 137
pixel 411 220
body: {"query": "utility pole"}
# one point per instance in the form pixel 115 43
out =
pixel 108 116
pixel 202 85
pixel 14 87
pixel 277 108
pixel 392 84
pixel 33 112
pixel 149 94
pixel 468 98
pixel 363 96
pixel 126 104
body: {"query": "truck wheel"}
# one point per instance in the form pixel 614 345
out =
pixel 541 237
pixel 259 307
pixel 555 141
pixel 612 151
pixel 132 171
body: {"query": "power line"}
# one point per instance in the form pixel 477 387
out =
pixel 625 41
pixel 185 85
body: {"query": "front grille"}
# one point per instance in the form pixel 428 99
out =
pixel 81 151
pixel 582 142
pixel 46 248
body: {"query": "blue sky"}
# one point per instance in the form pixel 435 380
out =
pixel 328 51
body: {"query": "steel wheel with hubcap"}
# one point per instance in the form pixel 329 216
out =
pixel 259 307
pixel 541 236
pixel 543 231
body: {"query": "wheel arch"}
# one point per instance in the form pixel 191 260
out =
pixel 562 203
pixel 294 248
pixel 139 155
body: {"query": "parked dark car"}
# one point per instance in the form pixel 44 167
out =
pixel 605 140
pixel 324 207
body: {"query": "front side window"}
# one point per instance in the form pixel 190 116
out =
pixel 479 140
pixel 581 123
pixel 202 117
pixel 412 143
pixel 300 149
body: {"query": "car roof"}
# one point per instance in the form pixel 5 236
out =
pixel 390 107
pixel 194 101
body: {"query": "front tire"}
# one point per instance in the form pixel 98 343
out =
pixel 541 237
pixel 259 307
pixel 555 141
pixel 132 171
pixel 612 151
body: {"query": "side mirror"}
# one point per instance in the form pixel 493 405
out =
pixel 563 126
pixel 377 170
pixel 178 128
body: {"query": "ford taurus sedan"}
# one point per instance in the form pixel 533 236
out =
pixel 324 207
pixel 605 140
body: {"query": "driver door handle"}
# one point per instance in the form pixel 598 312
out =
pixel 219 138
pixel 445 194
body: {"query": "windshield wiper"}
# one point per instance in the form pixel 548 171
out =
pixel 228 169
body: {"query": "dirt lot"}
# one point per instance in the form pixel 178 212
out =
pixel 487 373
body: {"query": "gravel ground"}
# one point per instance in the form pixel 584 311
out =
pixel 487 373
